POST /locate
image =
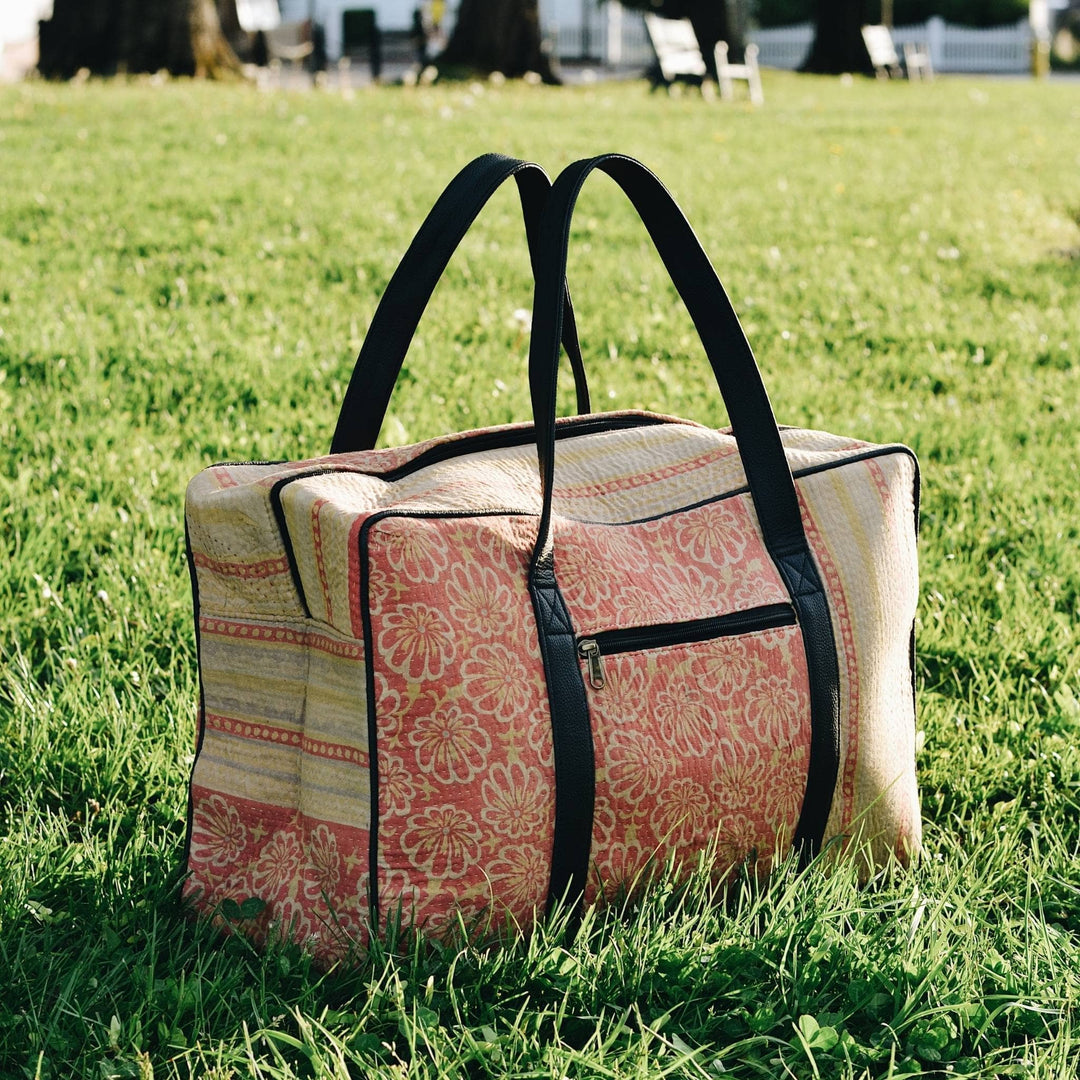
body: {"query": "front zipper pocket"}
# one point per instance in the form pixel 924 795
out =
pixel 593 647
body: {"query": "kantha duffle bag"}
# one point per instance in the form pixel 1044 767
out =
pixel 435 686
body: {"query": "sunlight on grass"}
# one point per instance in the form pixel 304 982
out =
pixel 186 273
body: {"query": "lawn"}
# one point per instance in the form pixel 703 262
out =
pixel 186 273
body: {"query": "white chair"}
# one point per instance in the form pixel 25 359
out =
pixel 747 71
pixel 917 62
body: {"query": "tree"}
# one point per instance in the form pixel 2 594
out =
pixel 497 35
pixel 838 44
pixel 106 37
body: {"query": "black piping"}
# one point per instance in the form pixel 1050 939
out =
pixel 202 690
pixel 691 631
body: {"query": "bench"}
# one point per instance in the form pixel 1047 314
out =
pixel 290 43
pixel 678 54
pixel 917 61
pixel 879 44
pixel 679 59
pixel 882 50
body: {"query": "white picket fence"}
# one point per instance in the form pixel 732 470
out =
pixel 998 50
pixel 623 41
pixel 607 35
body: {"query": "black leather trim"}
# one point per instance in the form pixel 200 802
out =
pixel 286 538
pixel 801 577
pixel 372 728
pixel 202 690
pixel 572 741
pixel 409 290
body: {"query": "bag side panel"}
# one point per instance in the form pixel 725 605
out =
pixel 280 792
pixel 860 520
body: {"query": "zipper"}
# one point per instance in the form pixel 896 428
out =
pixel 608 642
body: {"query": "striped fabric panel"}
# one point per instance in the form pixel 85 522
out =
pixel 285 704
pixel 859 523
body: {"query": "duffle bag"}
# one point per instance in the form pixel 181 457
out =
pixel 439 687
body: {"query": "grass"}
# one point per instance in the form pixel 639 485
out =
pixel 185 276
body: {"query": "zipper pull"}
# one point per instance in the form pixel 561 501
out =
pixel 591 652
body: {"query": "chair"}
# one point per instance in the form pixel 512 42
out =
pixel 746 71
pixel 917 62
pixel 882 50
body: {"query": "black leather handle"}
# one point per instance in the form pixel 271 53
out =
pixel 768 477
pixel 409 290
pixel 729 353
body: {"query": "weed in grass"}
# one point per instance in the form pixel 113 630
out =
pixel 185 275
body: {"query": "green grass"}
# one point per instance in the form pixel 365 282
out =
pixel 186 273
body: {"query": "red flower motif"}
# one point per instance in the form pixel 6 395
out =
pixel 519 877
pixel 772 710
pixel 416 641
pixel 712 534
pixel 413 547
pixel 218 835
pixel 682 719
pixel 277 870
pixel 478 600
pixel 451 746
pixel 397 792
pixel 443 842
pixel 324 862
pixel 517 801
pixel 682 811
pixel 636 766
pixel 497 682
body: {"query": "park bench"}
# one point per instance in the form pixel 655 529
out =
pixel 883 55
pixel 679 59
pixel 678 55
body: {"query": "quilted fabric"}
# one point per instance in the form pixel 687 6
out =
pixel 375 724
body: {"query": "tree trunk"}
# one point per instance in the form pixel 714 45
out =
pixel 109 37
pixel 838 45
pixel 497 35
pixel 711 24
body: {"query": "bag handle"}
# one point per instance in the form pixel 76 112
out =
pixel 729 353
pixel 409 290
pixel 771 485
